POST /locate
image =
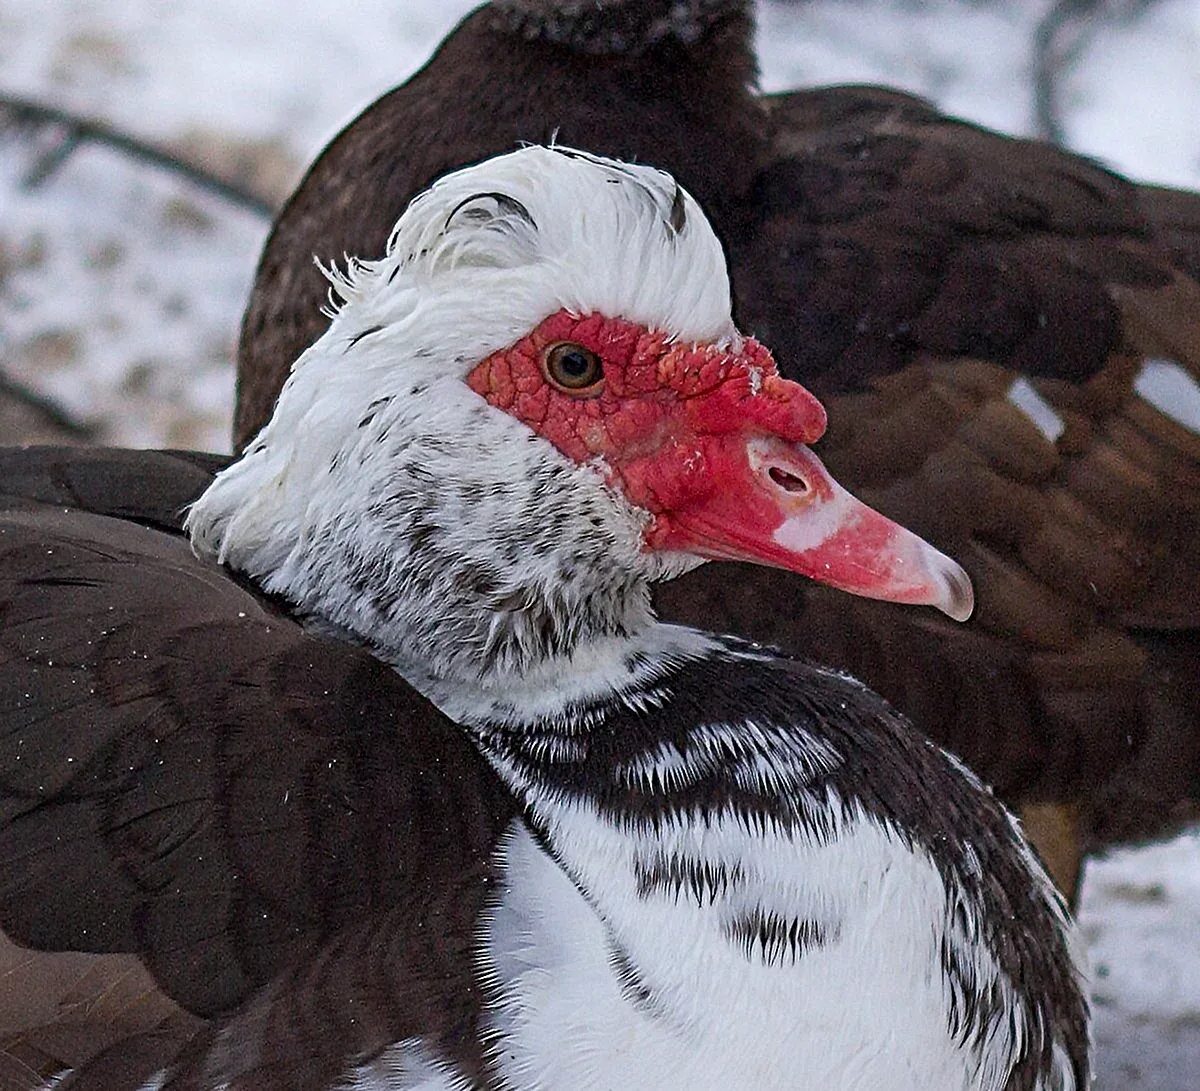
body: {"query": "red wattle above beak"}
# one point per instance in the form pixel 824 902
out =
pixel 774 503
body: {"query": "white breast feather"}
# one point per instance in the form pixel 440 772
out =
pixel 863 1012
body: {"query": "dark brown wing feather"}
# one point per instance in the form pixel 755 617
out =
pixel 192 779
pixel 59 1010
pixel 882 229
pixel 1176 218
pixel 907 267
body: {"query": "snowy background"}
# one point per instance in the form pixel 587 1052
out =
pixel 121 287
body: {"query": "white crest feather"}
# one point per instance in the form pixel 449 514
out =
pixel 501 245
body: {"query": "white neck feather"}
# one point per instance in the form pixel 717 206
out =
pixel 473 561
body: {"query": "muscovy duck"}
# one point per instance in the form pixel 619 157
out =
pixel 1007 336
pixel 636 855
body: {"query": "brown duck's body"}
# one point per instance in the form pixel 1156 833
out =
pixel 907 268
pixel 204 803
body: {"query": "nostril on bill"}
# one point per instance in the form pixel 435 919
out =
pixel 789 482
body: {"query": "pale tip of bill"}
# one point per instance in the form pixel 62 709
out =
pixel 957 598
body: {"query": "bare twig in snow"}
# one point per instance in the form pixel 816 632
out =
pixel 1063 34
pixel 43 409
pixel 74 130
pixel 1057 43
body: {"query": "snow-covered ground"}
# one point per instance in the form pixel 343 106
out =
pixel 121 288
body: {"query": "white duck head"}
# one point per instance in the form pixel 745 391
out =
pixel 532 406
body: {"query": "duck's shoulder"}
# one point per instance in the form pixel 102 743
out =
pixel 197 786
pixel 729 723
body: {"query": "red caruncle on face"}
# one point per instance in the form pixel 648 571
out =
pixel 658 400
pixel 711 442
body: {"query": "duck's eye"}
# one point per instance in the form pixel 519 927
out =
pixel 573 369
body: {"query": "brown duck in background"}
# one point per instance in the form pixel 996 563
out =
pixel 908 268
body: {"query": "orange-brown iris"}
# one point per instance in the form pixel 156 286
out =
pixel 573 368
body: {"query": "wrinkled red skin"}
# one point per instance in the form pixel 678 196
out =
pixel 663 417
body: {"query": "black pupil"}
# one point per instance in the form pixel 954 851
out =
pixel 575 365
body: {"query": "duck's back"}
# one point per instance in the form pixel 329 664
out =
pixel 216 830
